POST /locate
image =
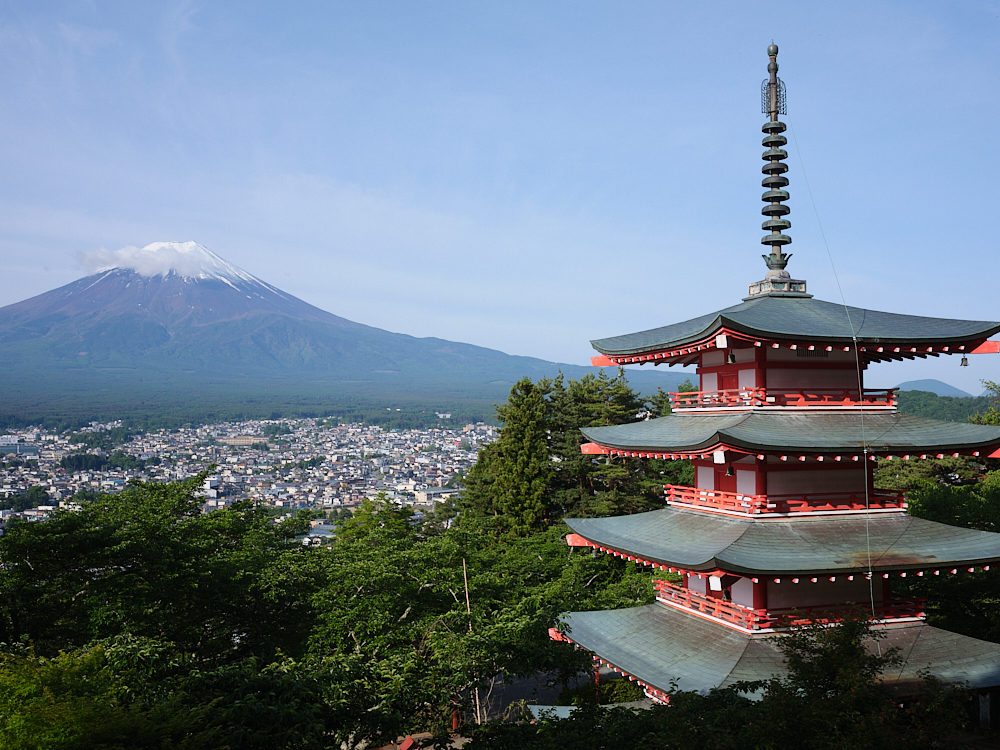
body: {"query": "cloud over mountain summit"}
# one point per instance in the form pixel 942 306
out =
pixel 188 259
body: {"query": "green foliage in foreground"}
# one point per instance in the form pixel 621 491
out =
pixel 138 622
pixel 967 603
pixel 832 699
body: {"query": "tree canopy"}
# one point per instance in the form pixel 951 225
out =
pixel 140 621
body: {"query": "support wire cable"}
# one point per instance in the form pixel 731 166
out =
pixel 857 361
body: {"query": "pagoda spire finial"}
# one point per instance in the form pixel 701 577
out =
pixel 772 95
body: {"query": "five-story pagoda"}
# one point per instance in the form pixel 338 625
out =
pixel 783 524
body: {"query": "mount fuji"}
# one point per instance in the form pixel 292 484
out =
pixel 174 318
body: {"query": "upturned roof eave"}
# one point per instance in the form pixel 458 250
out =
pixel 917 438
pixel 665 648
pixel 721 441
pixel 721 563
pixel 724 319
pixel 826 560
pixel 768 336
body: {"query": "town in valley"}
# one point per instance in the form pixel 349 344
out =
pixel 288 464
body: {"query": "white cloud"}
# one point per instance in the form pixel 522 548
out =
pixel 162 258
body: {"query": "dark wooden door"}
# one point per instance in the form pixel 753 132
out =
pixel 724 483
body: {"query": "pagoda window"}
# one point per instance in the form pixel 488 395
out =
pixel 794 379
pixel 823 593
pixel 783 354
pixel 804 481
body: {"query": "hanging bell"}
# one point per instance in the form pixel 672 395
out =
pixel 729 471
pixel 965 362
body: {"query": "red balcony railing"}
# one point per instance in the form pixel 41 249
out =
pixel 813 502
pixel 764 619
pixel 882 398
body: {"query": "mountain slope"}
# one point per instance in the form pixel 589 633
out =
pixel 178 317
pixel 933 386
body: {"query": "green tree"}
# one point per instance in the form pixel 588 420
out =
pixel 520 461
pixel 659 403
pixel 967 603
pixel 374 513
pixel 148 562
pixel 992 414
pixel 900 475
pixel 34 496
pixel 87 699
pixel 577 484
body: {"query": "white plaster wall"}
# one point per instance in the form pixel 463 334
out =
pixel 709 359
pixel 705 478
pixel 710 381
pixel 746 482
pixel 742 592
pixel 823 592
pixel 748 378
pixel 745 355
pixel 698 585
pixel 821 480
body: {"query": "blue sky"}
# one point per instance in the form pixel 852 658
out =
pixel 519 175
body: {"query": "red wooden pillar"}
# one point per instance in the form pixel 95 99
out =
pixel 597 681
pixel 760 372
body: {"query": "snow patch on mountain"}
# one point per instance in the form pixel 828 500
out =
pixel 186 259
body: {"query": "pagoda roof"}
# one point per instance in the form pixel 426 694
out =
pixel 663 646
pixel 757 431
pixel 802 319
pixel 803 545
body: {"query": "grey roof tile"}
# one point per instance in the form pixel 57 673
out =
pixel 801 319
pixel 699 655
pixel 813 432
pixel 693 540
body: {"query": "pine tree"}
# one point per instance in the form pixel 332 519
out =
pixel 521 465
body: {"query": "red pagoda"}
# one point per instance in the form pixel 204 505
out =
pixel 783 524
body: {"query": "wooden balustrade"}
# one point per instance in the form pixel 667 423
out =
pixel 813 502
pixel 764 619
pixel 882 398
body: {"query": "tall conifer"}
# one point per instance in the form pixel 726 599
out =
pixel 522 465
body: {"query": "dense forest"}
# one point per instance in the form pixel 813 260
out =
pixel 140 622
pixel 168 408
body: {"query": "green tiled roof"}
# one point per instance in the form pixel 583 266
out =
pixel 769 431
pixel 663 646
pixel 802 319
pixel 803 545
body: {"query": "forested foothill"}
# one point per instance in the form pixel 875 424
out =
pixel 138 621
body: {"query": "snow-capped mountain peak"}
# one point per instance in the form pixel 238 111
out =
pixel 186 259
